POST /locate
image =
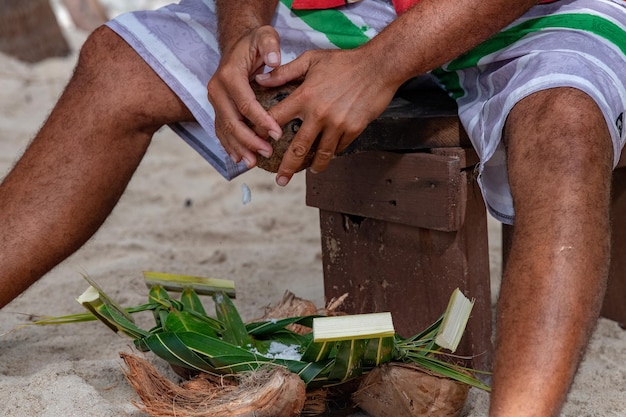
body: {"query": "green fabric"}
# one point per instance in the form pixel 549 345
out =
pixel 573 21
pixel 339 30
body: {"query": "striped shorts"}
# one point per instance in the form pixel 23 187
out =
pixel 572 43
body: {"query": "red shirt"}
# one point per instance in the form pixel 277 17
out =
pixel 401 6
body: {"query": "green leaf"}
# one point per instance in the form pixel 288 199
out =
pixel 348 360
pixel 79 317
pixel 269 327
pixel 235 331
pixel 378 351
pixel 113 307
pixel 429 333
pixel 317 351
pixel 285 337
pixel 109 313
pixel 171 348
pixel 158 295
pixel 315 373
pixel 183 321
pixel 448 370
pixel 212 347
pixel 191 301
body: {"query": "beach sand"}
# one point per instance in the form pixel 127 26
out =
pixel 180 216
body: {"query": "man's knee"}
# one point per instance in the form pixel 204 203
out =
pixel 97 54
pixel 560 124
pixel 123 85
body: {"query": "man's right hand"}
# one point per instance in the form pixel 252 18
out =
pixel 234 101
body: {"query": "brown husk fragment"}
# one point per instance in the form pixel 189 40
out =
pixel 269 97
pixel 265 393
pixel 406 390
pixel 290 306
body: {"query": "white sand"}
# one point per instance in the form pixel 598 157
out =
pixel 267 246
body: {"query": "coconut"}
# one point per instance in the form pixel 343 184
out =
pixel 406 390
pixel 269 97
pixel 267 392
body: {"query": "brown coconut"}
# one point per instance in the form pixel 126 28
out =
pixel 264 393
pixel 269 97
pixel 406 390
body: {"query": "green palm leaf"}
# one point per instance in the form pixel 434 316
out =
pixel 172 349
pixel 269 327
pixel 235 331
pixel 348 360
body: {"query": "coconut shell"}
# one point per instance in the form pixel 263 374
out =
pixel 406 390
pixel 269 97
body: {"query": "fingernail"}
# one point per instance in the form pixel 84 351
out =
pixel 272 58
pixel 275 135
pixel 312 171
pixel 248 162
pixel 234 158
pixel 264 153
pixel 264 76
pixel 282 181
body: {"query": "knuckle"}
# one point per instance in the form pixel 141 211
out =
pixel 268 33
pixel 245 107
pixel 352 131
pixel 307 54
pixel 323 155
pixel 227 128
pixel 299 149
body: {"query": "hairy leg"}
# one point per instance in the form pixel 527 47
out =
pixel 78 165
pixel 560 160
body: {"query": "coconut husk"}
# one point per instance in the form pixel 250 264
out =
pixel 290 306
pixel 269 97
pixel 406 390
pixel 265 393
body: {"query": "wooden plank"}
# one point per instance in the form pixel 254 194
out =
pixel 417 189
pixel 419 120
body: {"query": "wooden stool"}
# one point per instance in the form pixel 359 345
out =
pixel 403 224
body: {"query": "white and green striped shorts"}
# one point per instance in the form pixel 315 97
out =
pixel 573 43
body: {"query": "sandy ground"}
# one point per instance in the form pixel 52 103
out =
pixel 179 216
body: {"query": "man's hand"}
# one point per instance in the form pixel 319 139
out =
pixel 339 97
pixel 234 101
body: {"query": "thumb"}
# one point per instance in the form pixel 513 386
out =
pixel 285 73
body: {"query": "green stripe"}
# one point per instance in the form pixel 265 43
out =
pixel 585 22
pixel 339 30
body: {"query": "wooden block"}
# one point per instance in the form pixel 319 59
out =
pixel 417 189
pixel 415 121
